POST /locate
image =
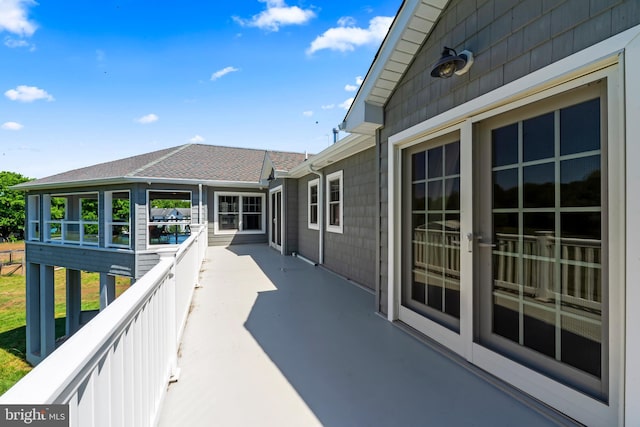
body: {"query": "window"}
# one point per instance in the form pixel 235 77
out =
pixel 169 217
pixel 34 218
pixel 239 213
pixel 334 202
pixel 118 219
pixel 71 218
pixel 312 197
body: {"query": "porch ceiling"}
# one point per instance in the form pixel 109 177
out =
pixel 272 340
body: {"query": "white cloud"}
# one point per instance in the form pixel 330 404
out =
pixel 328 106
pixel 346 37
pixel 277 15
pixel 149 118
pixel 223 72
pixel 14 43
pixel 24 93
pixel 11 126
pixel 13 17
pixel 307 113
pixel 353 88
pixel 196 139
pixel 346 104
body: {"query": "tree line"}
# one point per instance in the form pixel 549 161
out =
pixel 12 202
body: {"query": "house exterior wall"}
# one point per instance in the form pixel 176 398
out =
pixel 216 239
pixel 352 252
pixel 307 238
pixel 509 39
pixel 290 195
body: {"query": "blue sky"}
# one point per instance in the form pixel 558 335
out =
pixel 83 82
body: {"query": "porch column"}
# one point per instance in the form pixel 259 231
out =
pixel 32 272
pixel 74 301
pixel 47 311
pixel 107 290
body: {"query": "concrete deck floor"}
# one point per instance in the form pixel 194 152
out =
pixel 275 341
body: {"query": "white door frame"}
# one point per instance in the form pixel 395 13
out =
pixel 272 212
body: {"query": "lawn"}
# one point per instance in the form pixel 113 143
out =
pixel 13 364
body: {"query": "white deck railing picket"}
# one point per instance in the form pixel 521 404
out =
pixel 115 370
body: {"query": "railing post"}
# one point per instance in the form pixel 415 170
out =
pixel 170 309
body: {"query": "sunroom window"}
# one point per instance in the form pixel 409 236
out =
pixel 72 218
pixel 169 217
pixel 118 220
pixel 33 232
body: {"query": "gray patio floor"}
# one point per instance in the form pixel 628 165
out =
pixel 274 341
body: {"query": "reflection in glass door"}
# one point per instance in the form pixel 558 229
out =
pixel 541 248
pixel 431 253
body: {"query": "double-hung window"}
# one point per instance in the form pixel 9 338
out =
pixel 335 211
pixel 312 210
pixel 239 213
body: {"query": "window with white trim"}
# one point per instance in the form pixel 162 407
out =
pixel 33 232
pixel 118 219
pixel 335 211
pixel 239 213
pixel 312 203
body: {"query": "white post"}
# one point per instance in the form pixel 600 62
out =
pixel 170 309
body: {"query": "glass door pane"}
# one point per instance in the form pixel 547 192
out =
pixel 540 253
pixel 431 280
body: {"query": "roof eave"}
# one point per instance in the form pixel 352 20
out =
pixel 410 28
pixel 134 180
pixel 346 147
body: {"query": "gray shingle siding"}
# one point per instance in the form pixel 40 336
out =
pixel 307 238
pixel 509 39
pixel 120 263
pixel 352 253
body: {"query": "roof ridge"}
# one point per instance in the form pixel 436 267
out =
pixel 158 160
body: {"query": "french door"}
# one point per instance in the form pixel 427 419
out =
pixel 515 259
pixel 540 238
pixel 275 235
pixel 430 293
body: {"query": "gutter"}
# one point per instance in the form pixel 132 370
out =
pixel 320 213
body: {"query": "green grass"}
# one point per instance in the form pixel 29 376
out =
pixel 13 364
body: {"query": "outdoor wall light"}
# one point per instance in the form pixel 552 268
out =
pixel 452 62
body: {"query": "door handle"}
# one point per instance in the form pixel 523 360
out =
pixel 486 245
pixel 471 237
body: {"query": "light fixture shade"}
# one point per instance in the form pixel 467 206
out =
pixel 450 62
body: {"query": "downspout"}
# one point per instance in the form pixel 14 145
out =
pixel 320 214
pixel 199 204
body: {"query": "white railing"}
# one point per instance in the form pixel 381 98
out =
pixel 114 371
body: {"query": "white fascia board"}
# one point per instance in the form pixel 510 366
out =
pixel 346 147
pixel 360 110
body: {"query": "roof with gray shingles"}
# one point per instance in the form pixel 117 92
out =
pixel 190 161
pixel 284 161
